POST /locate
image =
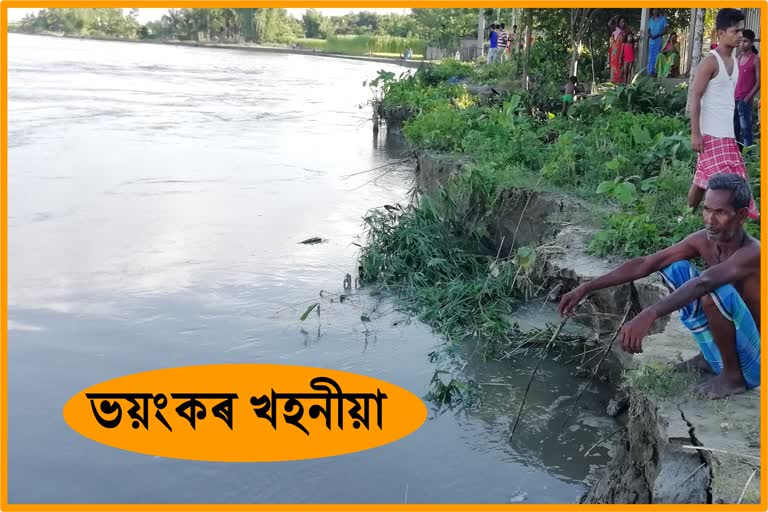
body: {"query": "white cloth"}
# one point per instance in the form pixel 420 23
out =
pixel 718 101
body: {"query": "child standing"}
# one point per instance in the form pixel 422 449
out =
pixel 570 90
pixel 628 66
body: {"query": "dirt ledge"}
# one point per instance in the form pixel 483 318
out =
pixel 651 463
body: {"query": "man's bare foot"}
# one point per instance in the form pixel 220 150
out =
pixel 721 386
pixel 695 364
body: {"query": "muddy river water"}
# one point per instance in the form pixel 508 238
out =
pixel 157 198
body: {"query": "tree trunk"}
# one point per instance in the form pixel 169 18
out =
pixel 689 47
pixel 698 42
pixel 580 19
pixel 527 48
pixel 480 33
pixel 573 67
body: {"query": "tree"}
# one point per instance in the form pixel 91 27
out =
pixel 527 49
pixel 313 24
pixel 698 42
pixel 444 27
pixel 580 19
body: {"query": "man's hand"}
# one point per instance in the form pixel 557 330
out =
pixel 570 300
pixel 697 143
pixel 633 332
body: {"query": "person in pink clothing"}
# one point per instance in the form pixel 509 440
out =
pixel 712 105
pixel 746 89
pixel 628 66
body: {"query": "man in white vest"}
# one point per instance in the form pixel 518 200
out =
pixel 712 106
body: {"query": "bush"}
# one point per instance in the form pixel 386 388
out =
pixel 623 150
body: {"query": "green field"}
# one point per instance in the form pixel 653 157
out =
pixel 384 46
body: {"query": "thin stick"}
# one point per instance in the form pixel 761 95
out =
pixel 694 472
pixel 690 447
pixel 370 181
pixel 597 367
pixel 528 387
pixel 603 440
pixel 743 491
pixel 392 164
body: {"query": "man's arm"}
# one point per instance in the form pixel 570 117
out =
pixel 703 75
pixel 632 270
pixel 743 263
pixel 757 81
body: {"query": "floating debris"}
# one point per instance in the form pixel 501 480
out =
pixel 313 240
pixel 309 310
pixel 518 497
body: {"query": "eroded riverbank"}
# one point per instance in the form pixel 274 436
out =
pixel 654 459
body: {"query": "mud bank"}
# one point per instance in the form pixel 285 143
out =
pixel 654 455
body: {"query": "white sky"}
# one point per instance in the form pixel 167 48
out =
pixel 145 15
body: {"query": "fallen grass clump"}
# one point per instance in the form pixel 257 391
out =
pixel 434 256
pixel 658 380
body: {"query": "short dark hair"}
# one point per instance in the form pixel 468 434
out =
pixel 750 36
pixel 727 18
pixel 574 79
pixel 741 195
pixel 501 26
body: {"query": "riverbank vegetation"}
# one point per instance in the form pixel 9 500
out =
pixel 625 152
pixel 627 149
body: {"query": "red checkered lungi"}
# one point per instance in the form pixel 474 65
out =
pixel 721 155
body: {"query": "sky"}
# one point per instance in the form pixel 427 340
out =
pixel 145 15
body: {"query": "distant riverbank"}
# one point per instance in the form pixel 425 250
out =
pixel 242 46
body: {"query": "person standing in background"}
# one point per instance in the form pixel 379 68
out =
pixel 503 41
pixel 657 27
pixel 628 57
pixel 746 89
pixel 616 47
pixel 712 106
pixel 493 40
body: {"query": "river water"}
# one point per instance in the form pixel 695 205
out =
pixel 157 198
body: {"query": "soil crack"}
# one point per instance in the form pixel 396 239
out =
pixel 705 458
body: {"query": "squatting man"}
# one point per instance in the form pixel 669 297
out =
pixel 720 306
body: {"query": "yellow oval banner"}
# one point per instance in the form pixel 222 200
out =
pixel 245 413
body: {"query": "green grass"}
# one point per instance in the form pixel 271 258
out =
pixel 628 150
pixel 364 45
pixel 658 381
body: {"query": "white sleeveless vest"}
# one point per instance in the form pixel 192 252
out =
pixel 718 101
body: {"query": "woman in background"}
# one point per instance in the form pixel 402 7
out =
pixel 657 27
pixel 616 47
pixel 669 57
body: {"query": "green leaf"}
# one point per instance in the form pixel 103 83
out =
pixel 613 164
pixel 524 252
pixel 308 311
pixel 625 192
pixel 648 184
pixel 605 187
pixel 640 135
